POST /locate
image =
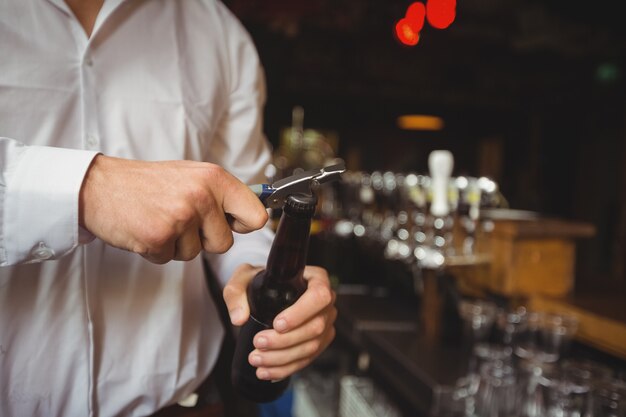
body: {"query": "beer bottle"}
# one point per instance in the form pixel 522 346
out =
pixel 272 290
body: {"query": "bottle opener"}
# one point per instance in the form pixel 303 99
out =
pixel 274 195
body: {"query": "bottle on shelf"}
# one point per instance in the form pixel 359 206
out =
pixel 272 290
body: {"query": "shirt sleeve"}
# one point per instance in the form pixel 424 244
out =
pixel 39 188
pixel 239 144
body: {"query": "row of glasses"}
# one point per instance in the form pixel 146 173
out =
pixel 533 335
pixel 572 388
pixel 609 399
pixel 478 318
pixel 545 336
pixel 519 367
pixel 502 390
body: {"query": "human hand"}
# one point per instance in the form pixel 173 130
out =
pixel 300 333
pixel 167 210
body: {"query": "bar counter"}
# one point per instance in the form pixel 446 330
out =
pixel 386 328
pixel 403 360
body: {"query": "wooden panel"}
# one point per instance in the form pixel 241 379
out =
pixel 502 250
pixel 528 257
pixel 529 266
pixel 541 265
pixel 543 228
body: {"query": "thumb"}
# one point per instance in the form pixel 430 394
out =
pixel 235 294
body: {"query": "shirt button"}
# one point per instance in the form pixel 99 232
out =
pixel 41 251
pixel 88 61
pixel 92 141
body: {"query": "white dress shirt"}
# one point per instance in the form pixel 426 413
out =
pixel 87 329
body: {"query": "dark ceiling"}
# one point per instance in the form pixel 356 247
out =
pixel 496 54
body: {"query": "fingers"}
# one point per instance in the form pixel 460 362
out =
pixel 235 294
pixel 314 328
pixel 217 236
pixel 188 245
pixel 278 373
pixel 278 364
pixel 231 206
pixel 245 210
pixel 316 298
pixel 303 331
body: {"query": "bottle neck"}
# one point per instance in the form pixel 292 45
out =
pixel 288 254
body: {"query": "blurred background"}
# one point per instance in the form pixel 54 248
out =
pixel 532 94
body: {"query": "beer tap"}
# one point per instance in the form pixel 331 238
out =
pixel 433 254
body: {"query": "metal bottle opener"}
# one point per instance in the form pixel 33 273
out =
pixel 274 195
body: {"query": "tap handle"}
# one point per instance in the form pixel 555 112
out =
pixel 440 163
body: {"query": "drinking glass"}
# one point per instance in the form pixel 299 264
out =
pixel 489 353
pixel 586 372
pixel 478 318
pixel 609 399
pixel 528 341
pixel 510 324
pixel 556 334
pixel 497 391
pixel 456 400
pixel 562 396
pixel 530 394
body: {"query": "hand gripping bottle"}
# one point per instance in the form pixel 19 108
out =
pixel 272 290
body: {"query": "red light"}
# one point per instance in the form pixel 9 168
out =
pixel 406 33
pixel 440 13
pixel 415 15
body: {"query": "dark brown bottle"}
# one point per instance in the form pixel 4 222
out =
pixel 271 291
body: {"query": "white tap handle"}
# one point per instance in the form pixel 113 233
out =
pixel 440 164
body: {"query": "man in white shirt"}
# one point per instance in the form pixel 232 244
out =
pixel 116 118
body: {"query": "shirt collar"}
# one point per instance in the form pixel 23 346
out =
pixel 108 7
pixel 60 4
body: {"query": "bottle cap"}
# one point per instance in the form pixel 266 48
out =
pixel 304 204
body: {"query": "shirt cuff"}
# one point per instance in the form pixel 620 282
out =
pixel 41 204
